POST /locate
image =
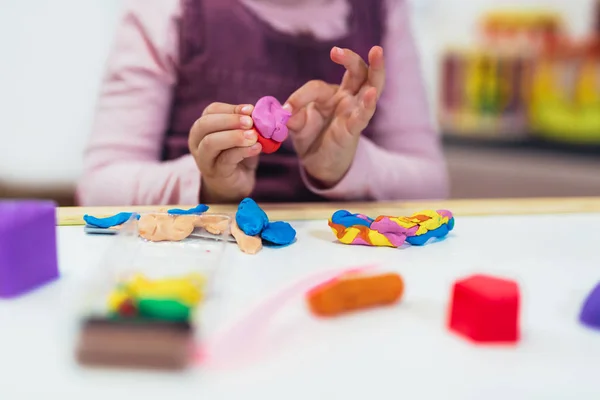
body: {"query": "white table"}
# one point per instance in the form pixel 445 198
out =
pixel 403 352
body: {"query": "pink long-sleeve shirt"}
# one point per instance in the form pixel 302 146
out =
pixel 122 164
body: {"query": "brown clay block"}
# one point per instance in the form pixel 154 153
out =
pixel 355 292
pixel 135 344
pixel 248 244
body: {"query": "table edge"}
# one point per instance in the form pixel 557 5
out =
pixel 69 216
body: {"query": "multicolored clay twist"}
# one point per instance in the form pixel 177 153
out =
pixel 385 231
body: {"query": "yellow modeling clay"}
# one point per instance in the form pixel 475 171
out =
pixel 187 290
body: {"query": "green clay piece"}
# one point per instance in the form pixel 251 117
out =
pixel 164 309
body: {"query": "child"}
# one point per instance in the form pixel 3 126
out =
pixel 172 122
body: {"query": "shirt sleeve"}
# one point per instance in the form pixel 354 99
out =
pixel 122 163
pixel 404 159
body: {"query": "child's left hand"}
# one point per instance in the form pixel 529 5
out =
pixel 327 119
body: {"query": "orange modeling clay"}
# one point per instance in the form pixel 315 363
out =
pixel 248 244
pixel 214 224
pixel 353 292
pixel 159 227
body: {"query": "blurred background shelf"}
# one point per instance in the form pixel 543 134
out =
pixel 62 195
pixel 484 169
pixel 519 104
pixel 533 144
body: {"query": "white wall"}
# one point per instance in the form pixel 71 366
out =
pixel 53 54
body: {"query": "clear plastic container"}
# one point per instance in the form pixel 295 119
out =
pixel 201 252
pixel 146 248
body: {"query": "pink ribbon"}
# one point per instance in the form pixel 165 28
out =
pixel 235 342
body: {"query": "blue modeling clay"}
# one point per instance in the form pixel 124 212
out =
pixel 279 233
pixel 199 209
pixel 251 219
pixel 108 222
pixel 438 233
pixel 450 224
pixel 347 219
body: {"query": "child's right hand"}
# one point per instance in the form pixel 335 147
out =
pixel 224 145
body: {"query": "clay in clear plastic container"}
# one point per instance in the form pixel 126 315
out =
pixel 153 299
pixel 200 252
pixel 132 254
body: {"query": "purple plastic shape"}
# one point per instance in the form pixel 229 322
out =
pixel 590 313
pixel 28 255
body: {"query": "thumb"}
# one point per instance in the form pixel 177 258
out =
pixel 251 163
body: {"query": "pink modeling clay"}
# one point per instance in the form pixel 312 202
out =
pixel 270 119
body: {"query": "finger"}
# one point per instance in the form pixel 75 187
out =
pixel 376 69
pixel 356 69
pixel 251 163
pixel 228 160
pixel 359 119
pixel 315 91
pixel 212 123
pixel 224 108
pixel 213 144
pixel 304 139
pixel 297 121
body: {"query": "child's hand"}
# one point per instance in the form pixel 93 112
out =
pixel 327 119
pixel 223 143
